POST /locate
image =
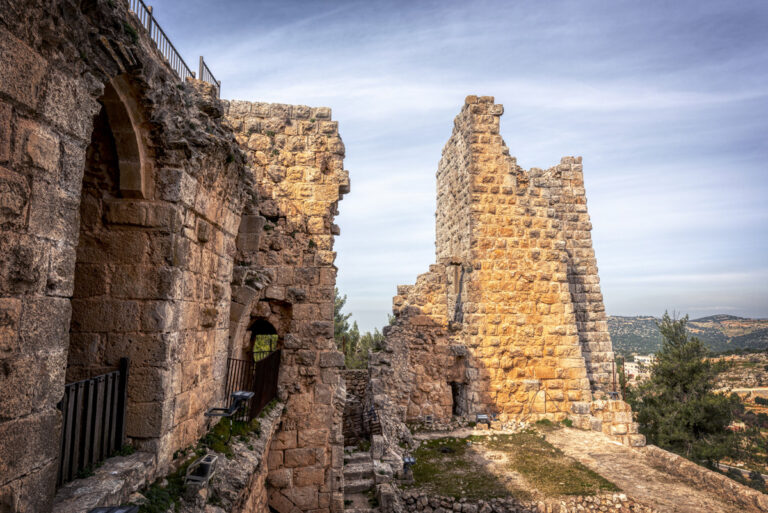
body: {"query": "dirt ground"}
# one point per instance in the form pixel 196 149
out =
pixel 629 470
pixel 625 467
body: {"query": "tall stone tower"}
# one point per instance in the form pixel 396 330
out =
pixel 510 321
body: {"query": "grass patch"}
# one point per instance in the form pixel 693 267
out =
pixel 444 467
pixel 457 467
pixel 221 435
pixel 161 498
pixel 547 468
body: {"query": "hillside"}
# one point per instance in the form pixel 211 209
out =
pixel 719 332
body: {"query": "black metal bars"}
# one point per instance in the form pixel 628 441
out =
pixel 206 75
pixel 93 426
pixel 258 377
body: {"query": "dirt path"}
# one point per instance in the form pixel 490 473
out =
pixel 629 470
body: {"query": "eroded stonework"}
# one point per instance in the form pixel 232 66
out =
pixel 143 218
pixel 285 277
pixel 510 320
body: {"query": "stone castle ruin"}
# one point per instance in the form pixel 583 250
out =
pixel 510 321
pixel 152 233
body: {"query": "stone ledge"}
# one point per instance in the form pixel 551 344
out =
pixel 747 498
pixel 111 485
pixel 238 482
pixel 414 501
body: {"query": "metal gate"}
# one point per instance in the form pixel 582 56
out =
pixel 257 377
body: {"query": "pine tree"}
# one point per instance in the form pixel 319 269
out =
pixel 676 408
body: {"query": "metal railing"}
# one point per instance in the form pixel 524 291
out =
pixel 258 377
pixel 93 427
pixel 172 56
pixel 206 75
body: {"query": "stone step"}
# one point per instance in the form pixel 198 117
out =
pixel 357 503
pixel 354 471
pixel 357 457
pixel 358 485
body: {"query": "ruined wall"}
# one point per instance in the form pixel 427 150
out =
pixel 138 250
pixel 356 383
pixel 285 276
pixel 517 327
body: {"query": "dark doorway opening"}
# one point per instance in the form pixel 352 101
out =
pixel 264 339
pixel 459 395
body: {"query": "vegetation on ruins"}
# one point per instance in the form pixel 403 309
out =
pixel 165 493
pixel 349 340
pixel 677 408
pixel 457 467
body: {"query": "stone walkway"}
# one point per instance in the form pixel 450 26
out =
pixel 630 471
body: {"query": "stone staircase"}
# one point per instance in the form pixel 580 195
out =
pixel 358 482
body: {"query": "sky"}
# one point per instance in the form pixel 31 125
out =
pixel 667 103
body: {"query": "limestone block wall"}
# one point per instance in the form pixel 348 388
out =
pixel 520 300
pixel 118 235
pixel 285 276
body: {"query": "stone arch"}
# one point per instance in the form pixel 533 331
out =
pixel 264 314
pixel 126 121
pixel 121 285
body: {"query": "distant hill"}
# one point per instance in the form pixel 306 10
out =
pixel 719 332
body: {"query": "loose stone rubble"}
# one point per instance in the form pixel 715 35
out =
pixel 418 502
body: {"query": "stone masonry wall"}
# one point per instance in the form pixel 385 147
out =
pixel 146 273
pixel 356 381
pixel 285 276
pixel 519 320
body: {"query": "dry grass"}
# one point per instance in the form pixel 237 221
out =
pixel 521 465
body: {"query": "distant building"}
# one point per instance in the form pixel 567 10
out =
pixel 631 369
pixel 646 360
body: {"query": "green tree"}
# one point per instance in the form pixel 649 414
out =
pixel 349 340
pixel 340 320
pixel 676 408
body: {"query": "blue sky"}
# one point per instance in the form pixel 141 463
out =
pixel 667 102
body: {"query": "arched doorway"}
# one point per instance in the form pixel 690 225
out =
pixel 117 303
pixel 113 268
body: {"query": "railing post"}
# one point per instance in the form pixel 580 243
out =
pixel 149 20
pixel 122 391
pixel 200 68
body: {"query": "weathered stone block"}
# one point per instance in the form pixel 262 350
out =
pixel 281 478
pixel 332 359
pixel 5 131
pixel 284 440
pixel 38 146
pixel 52 213
pixel 308 477
pixel 299 457
pixel 27 444
pixel 14 197
pixel 312 437
pixel 19 60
